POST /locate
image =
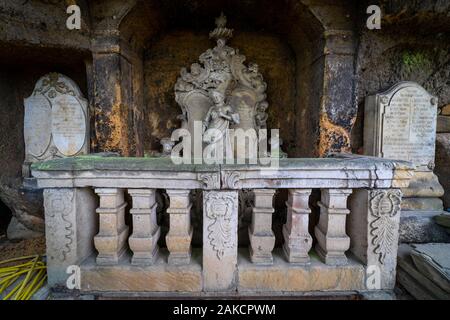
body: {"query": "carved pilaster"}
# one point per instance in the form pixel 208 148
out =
pixel 332 241
pixel 146 232
pixel 70 225
pixel 220 211
pixel 262 238
pixel 110 241
pixel 178 239
pixel 374 232
pixel 297 240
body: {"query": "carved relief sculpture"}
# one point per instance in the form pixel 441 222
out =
pixel 221 86
pixel 384 206
pixel 56 121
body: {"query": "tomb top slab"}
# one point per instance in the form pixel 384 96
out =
pixel 95 171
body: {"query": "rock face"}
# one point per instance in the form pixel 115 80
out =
pixel 443 164
pixel 25 206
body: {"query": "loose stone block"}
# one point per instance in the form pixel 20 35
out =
pixel 262 238
pixel 70 226
pixel 146 232
pixel 332 241
pixel 297 240
pixel 178 239
pixel 110 241
pixel 220 213
pixel 373 227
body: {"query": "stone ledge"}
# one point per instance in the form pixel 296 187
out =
pixel 159 277
pixel 281 277
pixel 284 276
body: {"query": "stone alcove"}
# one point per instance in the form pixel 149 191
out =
pixel 287 40
pixel 25 65
pixel 306 63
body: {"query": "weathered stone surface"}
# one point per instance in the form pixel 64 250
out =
pixel 220 227
pixel 297 240
pixel 17 230
pixel 373 230
pixel 443 124
pixel 413 286
pixel 433 261
pixel 179 237
pixel 423 184
pixel 422 204
pixel 70 226
pixel 146 232
pixel 445 110
pixel 332 240
pixel 157 277
pixel 111 238
pixel 262 238
pixel 284 276
pixel 56 122
pixel 443 164
pixel 420 227
pixel 411 274
pixel 401 124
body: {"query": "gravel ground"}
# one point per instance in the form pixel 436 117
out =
pixel 12 249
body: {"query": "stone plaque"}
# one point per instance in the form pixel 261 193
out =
pixel 37 125
pixel 401 124
pixel 56 120
pixel 68 125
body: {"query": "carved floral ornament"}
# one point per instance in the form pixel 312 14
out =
pixel 384 206
pixel 219 209
pixel 51 84
pixel 222 69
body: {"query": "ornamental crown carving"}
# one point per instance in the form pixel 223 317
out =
pixel 222 69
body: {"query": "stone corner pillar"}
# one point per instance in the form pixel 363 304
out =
pixel 70 226
pixel 373 227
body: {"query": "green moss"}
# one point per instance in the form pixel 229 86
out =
pixel 415 60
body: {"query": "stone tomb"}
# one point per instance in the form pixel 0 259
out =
pixel 56 122
pixel 400 123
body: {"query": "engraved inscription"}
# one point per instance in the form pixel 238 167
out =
pixel 409 126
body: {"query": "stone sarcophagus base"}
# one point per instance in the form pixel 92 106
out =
pixel 356 235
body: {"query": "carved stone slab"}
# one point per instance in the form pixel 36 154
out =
pixel 222 69
pixel 220 222
pixel 56 122
pixel 401 124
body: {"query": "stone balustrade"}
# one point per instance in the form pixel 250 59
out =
pixel 353 245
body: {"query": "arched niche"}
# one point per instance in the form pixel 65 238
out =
pixel 285 39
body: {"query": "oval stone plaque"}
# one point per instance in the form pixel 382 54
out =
pixel 68 124
pixel 37 125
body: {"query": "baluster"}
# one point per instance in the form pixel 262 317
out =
pixel 262 238
pixel 178 239
pixel 113 232
pixel 146 232
pixel 332 241
pixel 297 240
